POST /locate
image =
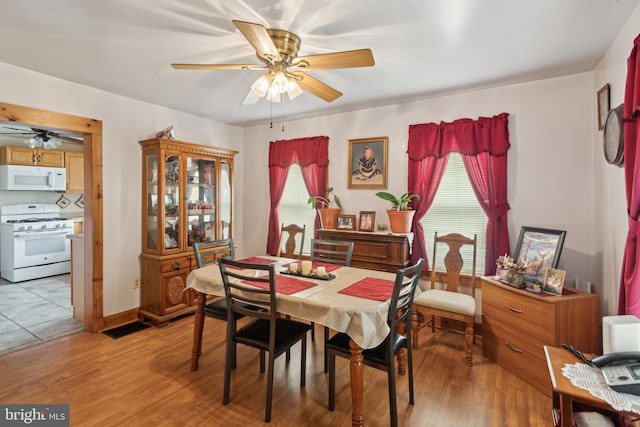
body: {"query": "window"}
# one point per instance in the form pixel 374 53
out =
pixel 294 208
pixel 455 209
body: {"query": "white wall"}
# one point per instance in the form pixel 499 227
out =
pixel 125 122
pixel 611 225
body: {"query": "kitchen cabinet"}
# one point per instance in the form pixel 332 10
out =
pixel 10 155
pixel 186 198
pixel 376 251
pixel 74 164
pixel 517 324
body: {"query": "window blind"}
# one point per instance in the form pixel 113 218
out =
pixel 294 208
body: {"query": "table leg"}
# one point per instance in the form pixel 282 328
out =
pixel 357 384
pixel 566 410
pixel 198 326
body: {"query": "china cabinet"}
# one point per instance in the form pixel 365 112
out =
pixel 10 155
pixel 186 198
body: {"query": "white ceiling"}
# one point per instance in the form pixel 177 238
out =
pixel 422 48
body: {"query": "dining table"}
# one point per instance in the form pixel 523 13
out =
pixel 348 299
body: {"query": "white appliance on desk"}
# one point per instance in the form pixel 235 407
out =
pixel 33 242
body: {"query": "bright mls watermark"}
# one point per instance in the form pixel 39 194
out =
pixel 34 415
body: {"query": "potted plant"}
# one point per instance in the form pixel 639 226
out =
pixel 328 213
pixel 400 216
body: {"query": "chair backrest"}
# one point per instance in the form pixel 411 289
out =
pixel 335 252
pixel 241 296
pixel 289 232
pixel 453 261
pixel 209 252
pixel 402 297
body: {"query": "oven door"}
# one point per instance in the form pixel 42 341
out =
pixel 40 247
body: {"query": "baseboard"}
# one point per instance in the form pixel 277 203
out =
pixel 120 319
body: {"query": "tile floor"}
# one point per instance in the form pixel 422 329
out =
pixel 35 311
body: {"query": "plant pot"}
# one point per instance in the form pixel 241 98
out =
pixel 400 221
pixel 329 217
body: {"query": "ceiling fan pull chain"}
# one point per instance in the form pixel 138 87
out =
pixel 282 111
pixel 271 115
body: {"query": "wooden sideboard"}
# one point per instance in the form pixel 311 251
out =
pixel 375 250
pixel 517 324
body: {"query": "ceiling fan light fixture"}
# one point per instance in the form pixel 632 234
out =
pixel 51 143
pixel 34 142
pixel 261 86
pixel 293 89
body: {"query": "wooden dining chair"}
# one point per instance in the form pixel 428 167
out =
pixel 382 356
pixel 267 332
pixel 288 236
pixel 209 253
pixel 334 252
pixel 450 302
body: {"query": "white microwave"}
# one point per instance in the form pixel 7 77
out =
pixel 32 178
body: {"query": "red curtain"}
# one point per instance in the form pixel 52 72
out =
pixel 629 297
pixel 312 154
pixel 483 144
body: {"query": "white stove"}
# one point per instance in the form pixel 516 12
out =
pixel 33 242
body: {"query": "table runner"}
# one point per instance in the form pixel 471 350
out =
pixel 370 288
pixel 253 260
pixel 284 284
pixel 329 267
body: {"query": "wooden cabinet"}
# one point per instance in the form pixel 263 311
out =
pixel 377 251
pixel 26 156
pixel 516 324
pixel 74 164
pixel 186 197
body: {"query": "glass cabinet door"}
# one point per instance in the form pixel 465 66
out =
pixel 225 199
pixel 171 201
pixel 200 197
pixel 152 202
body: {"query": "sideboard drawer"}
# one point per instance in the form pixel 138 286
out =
pixel 533 317
pixel 175 264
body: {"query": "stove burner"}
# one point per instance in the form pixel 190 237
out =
pixel 14 221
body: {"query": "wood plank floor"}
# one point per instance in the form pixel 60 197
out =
pixel 144 379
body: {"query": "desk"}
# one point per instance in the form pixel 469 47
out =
pixel 364 320
pixel 565 393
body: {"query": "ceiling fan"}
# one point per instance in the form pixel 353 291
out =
pixel 285 71
pixel 43 138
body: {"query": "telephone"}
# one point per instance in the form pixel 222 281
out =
pixel 621 370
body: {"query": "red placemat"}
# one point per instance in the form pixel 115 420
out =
pixel 370 288
pixel 253 260
pixel 284 284
pixel 314 265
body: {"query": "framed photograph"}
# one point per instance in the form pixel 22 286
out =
pixel 540 248
pixel 554 281
pixel 367 221
pixel 346 222
pixel 603 105
pixel 368 163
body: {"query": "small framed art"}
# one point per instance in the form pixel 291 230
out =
pixel 540 248
pixel 554 281
pixel 346 222
pixel 603 105
pixel 368 163
pixel 367 221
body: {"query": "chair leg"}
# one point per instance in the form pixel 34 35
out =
pixel 267 411
pixel 416 318
pixel 303 361
pixel 325 339
pixel 410 372
pixel 468 337
pixel 332 380
pixel 391 378
pixel 262 361
pixel 313 331
pixel 433 324
pixel 228 363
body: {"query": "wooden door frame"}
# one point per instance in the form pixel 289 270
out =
pixel 93 208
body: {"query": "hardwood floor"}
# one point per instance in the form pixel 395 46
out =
pixel 144 379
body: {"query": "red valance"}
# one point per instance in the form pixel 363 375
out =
pixel 303 151
pixel 465 136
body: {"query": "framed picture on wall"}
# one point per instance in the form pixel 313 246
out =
pixel 603 105
pixel 368 163
pixel 540 248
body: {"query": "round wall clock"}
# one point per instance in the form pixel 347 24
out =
pixel 613 137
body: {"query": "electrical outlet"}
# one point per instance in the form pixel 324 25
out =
pixel 136 283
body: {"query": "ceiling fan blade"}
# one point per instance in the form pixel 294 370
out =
pixel 328 61
pixel 257 35
pixel 249 99
pixel 316 87
pixel 218 67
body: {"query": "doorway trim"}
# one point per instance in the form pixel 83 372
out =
pixel 93 209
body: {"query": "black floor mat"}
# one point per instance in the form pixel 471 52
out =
pixel 121 331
